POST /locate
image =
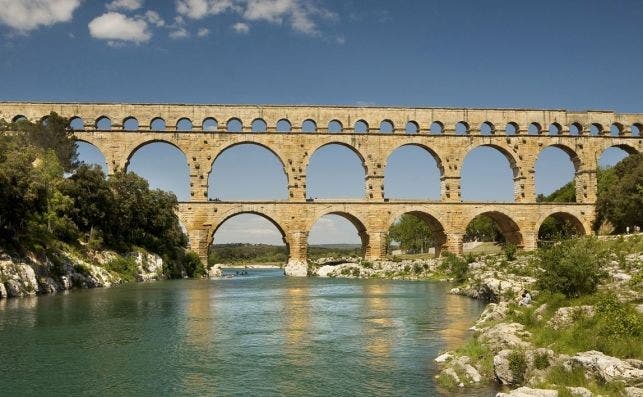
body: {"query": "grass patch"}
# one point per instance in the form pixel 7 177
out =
pixel 481 356
pixel 124 267
pixel 559 378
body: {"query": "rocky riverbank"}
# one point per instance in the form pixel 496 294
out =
pixel 34 275
pixel 555 345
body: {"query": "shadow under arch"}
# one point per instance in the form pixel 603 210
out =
pixel 507 226
pixel 353 219
pixel 434 224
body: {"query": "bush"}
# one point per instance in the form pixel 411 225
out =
pixel 517 366
pixel 571 267
pixel 509 250
pixel 456 266
pixel 193 265
pixel 541 361
pixel 125 267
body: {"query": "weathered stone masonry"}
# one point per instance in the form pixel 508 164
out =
pixel 372 216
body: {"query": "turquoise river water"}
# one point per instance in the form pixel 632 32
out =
pixel 257 335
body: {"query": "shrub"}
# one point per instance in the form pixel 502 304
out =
pixel 541 361
pixel 571 267
pixel 125 267
pixel 193 265
pixel 517 366
pixel 509 250
pixel 456 266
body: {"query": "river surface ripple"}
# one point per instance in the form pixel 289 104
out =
pixel 260 335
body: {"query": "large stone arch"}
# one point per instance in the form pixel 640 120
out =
pixel 629 149
pixel 132 152
pixel 423 146
pixel 355 150
pixel 508 227
pixel 359 224
pixel 250 142
pixel 574 219
pixel 233 213
pixel 518 172
pixel 579 163
pixel 97 147
pixel 435 224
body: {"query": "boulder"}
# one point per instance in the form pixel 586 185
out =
pixel 443 357
pixel 529 392
pixel 505 336
pixel 215 271
pixel 3 291
pixel 325 271
pixel 502 368
pixel 149 266
pixel 633 391
pixel 296 268
pixel 565 316
pixel 580 392
pixel 607 368
pixel 493 312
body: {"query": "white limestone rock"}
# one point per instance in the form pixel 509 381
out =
pixel 607 368
pixel 505 336
pixel 493 312
pixel 565 316
pixel 529 392
pixel 296 268
pixel 215 271
pixel 633 391
pixel 579 392
pixel 149 266
pixel 442 358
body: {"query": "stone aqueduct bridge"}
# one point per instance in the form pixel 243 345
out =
pixel 372 215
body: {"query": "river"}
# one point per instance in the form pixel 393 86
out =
pixel 261 334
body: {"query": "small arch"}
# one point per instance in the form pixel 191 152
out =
pixel 259 125
pixel 595 129
pixel 557 226
pixel 616 129
pixel 19 118
pixel 437 128
pixel 130 124
pixel 433 240
pixel 487 128
pixel 184 124
pixel 412 127
pixel 462 128
pixel 284 125
pixel 386 127
pixel 637 129
pixel 334 227
pixel 335 126
pixel 103 123
pixel 234 125
pixel 157 124
pixel 76 123
pixel 502 229
pixel 555 129
pixel 309 126
pixel 575 129
pixel 361 126
pixel 210 124
pixel 512 128
pixel 534 129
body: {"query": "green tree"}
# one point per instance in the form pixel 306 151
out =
pixel 483 228
pixel 413 234
pixel 620 198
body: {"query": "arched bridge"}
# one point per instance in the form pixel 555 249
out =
pixel 294 133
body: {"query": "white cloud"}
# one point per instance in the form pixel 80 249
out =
pixel 154 18
pixel 129 5
pixel 241 27
pixel 300 15
pixel 179 33
pixel 116 27
pixel 203 32
pixel 27 15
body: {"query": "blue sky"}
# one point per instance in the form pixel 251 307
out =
pixel 546 54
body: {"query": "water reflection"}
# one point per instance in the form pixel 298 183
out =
pixel 297 318
pixel 378 325
pixel 457 313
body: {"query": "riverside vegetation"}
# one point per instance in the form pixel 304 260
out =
pixel 64 224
